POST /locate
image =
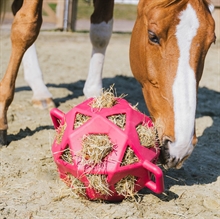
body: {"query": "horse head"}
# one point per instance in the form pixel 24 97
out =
pixel 168 46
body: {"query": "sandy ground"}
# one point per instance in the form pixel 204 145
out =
pixel 30 187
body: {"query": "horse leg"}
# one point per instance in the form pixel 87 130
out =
pixel 100 34
pixel 42 98
pixel 25 29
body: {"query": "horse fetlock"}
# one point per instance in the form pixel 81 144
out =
pixel 4 104
pixel 3 119
pixel 47 103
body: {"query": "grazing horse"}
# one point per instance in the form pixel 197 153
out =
pixel 168 46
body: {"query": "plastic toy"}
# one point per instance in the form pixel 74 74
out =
pixel 111 168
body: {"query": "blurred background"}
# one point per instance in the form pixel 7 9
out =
pixel 74 15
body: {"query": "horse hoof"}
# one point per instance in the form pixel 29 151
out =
pixel 3 138
pixel 44 104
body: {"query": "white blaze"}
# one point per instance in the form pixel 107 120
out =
pixel 184 87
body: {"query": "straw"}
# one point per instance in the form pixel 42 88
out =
pixel 77 187
pixel 99 183
pixel 67 156
pixel 147 135
pixel 126 186
pixel 95 147
pixel 107 99
pixel 59 132
pixel 129 157
pixel 80 119
pixel 119 120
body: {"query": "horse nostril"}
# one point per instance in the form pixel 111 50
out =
pixel 166 140
pixel 165 154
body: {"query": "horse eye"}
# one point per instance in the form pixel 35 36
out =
pixel 153 37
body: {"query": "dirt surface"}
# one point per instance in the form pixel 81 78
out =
pixel 30 187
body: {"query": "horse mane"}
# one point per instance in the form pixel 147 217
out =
pixel 207 3
pixel 167 3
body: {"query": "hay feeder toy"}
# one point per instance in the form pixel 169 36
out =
pixel 100 153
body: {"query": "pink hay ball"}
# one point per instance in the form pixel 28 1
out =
pixel 79 158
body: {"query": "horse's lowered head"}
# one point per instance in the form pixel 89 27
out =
pixel 169 43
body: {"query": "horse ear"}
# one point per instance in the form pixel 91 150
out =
pixel 211 8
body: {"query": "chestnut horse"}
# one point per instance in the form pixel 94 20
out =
pixel 168 46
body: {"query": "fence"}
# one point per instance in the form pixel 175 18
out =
pixel 49 10
pixel 131 2
pixel 63 13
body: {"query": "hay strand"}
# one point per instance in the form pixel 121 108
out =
pixel 147 135
pixel 77 187
pixel 99 183
pixel 59 132
pixel 129 157
pixel 95 147
pixel 107 99
pixel 67 156
pixel 135 107
pixel 119 120
pixel 80 119
pixel 126 186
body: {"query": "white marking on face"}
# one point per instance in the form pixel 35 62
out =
pixel 100 35
pixel 184 87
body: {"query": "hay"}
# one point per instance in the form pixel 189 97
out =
pixel 158 127
pixel 80 119
pixel 126 186
pixel 147 135
pixel 95 147
pixel 99 183
pixel 107 99
pixel 67 156
pixel 129 157
pixel 135 107
pixel 59 133
pixel 77 187
pixel 119 120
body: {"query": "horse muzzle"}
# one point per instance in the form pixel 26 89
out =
pixel 172 155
